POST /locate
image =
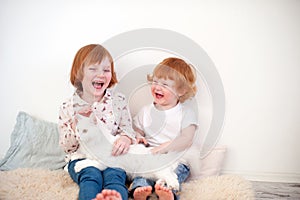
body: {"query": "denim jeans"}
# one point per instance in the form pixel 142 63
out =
pixel 182 171
pixel 92 181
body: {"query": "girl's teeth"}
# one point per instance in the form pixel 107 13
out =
pixel 97 85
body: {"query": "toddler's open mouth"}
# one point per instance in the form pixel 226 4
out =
pixel 158 95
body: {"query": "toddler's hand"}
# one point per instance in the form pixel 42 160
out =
pixel 161 148
pixel 142 140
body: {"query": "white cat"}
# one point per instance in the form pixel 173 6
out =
pixel 96 146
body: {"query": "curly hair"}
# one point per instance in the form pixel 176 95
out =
pixel 180 72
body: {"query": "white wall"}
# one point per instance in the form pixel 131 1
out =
pixel 255 46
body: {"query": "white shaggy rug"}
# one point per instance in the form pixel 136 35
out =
pixel 35 184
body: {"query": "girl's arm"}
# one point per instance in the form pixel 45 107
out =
pixel 180 143
pixel 121 145
pixel 67 128
pixel 125 126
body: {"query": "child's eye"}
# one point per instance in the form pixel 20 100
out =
pixel 107 70
pixel 165 85
pixel 92 68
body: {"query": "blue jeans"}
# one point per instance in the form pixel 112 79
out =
pixel 92 181
pixel 182 171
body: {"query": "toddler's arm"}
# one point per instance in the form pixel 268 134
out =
pixel 180 143
pixel 140 137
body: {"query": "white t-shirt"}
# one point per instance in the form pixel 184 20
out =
pixel 162 126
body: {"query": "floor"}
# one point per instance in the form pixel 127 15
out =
pixel 268 190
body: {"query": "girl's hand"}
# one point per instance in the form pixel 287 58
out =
pixel 121 145
pixel 85 111
pixel 161 148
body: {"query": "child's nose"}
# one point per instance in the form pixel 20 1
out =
pixel 157 87
pixel 100 73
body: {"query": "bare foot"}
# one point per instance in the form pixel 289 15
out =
pixel 163 193
pixel 141 193
pixel 108 195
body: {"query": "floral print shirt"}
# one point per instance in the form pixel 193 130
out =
pixel 112 112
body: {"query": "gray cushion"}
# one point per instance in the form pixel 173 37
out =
pixel 34 144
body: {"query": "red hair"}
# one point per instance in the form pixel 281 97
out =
pixel 179 71
pixel 88 55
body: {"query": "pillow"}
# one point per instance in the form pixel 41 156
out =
pixel 210 165
pixel 34 144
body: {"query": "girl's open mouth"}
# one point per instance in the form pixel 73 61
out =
pixel 97 85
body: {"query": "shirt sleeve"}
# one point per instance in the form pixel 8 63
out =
pixel 69 139
pixel 189 118
pixel 125 125
pixel 138 119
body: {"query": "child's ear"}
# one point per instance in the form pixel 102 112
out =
pixel 181 92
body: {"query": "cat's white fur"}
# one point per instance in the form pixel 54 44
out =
pixel 97 146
